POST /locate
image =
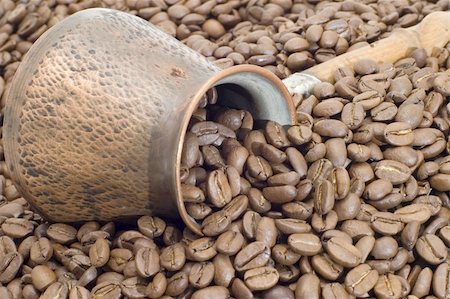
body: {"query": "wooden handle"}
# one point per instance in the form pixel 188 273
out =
pixel 433 31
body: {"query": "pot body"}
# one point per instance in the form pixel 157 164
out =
pixel 97 112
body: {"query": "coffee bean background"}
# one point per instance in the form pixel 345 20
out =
pixel 351 202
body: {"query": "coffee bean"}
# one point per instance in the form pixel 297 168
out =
pixel 261 278
pixel 392 171
pixel 326 267
pixel 343 253
pixel 386 223
pixel 399 134
pixel 308 286
pixel 360 280
pixel 157 287
pixel 17 227
pixel 324 198
pixel 42 277
pixel 305 243
pixel 431 249
pixel 254 255
pixel 413 212
pixel 334 290
pixel 423 283
pixel 388 286
pixel 440 277
pixel 41 251
pixel 152 227
pixel 147 262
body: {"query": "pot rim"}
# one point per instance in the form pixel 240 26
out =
pixel 244 68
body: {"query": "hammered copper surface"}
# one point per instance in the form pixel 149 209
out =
pixel 97 112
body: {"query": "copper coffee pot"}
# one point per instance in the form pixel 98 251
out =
pixel 97 113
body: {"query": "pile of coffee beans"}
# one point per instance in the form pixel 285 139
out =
pixel 351 202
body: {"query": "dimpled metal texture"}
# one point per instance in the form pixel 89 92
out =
pixel 85 109
pixel 97 112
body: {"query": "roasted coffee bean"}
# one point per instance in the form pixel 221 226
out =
pixel 326 267
pixel 99 253
pixel 392 171
pixel 343 253
pixel 431 249
pixel 201 250
pixel 261 278
pixel 440 280
pixel 218 188
pixel 42 277
pixel 413 212
pixel 361 280
pixel 306 244
pixel 254 255
pixel 388 286
pixel 308 286
pixel 386 223
pixel 201 274
pixel 157 287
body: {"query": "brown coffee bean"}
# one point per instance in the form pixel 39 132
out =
pixel 308 286
pixel 388 286
pixel 42 277
pixel 41 251
pixel 56 290
pixel 299 135
pixel 324 198
pixel 365 66
pixel 211 292
pixel 259 168
pixel 343 253
pixel 99 253
pixel 360 280
pixel 289 226
pixel 201 274
pixel 326 267
pixel 157 287
pixel 266 232
pixel 79 292
pixel 410 234
pixel 280 194
pixel 440 278
pixel 399 134
pixel 357 229
pixel 334 290
pixel 201 250
pixel 392 171
pixel 107 289
pixel 306 244
pixel 378 189
pixel 254 255
pixel 283 255
pixel 17 227
pixel 413 212
pixel 152 227
pixel 423 283
pixel 348 207
pixel 250 224
pixel 352 115
pixel 147 262
pixel 330 128
pixel 262 278
pixel 431 249
pixel 385 247
pixel 386 223
pixel 319 171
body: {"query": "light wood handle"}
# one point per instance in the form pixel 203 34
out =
pixel 433 31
